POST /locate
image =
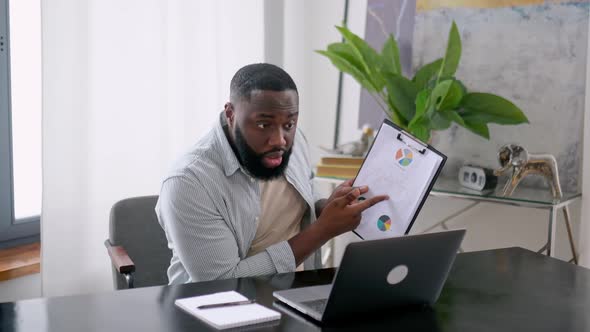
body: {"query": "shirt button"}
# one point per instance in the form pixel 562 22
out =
pixel 252 180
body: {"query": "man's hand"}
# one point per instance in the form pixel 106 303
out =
pixel 343 189
pixel 340 215
pixel 343 213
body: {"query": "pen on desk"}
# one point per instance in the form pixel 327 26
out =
pixel 226 304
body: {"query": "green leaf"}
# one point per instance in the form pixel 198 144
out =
pixel 426 73
pixel 348 53
pixel 422 99
pixel 480 129
pixel 390 56
pixel 421 129
pixel 440 92
pixel 439 122
pixel 402 94
pixel 420 125
pixel 345 66
pixel 481 108
pixel 453 54
pixel 349 38
pixel 453 97
pixel 371 60
pixel 394 114
pixel 452 115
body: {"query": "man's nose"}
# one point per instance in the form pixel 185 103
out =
pixel 277 138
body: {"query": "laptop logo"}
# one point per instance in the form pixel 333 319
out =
pixel 397 274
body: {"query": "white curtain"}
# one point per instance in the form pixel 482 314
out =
pixel 127 86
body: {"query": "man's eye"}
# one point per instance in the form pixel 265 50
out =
pixel 262 125
pixel 290 125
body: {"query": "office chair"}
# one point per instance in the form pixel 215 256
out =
pixel 137 244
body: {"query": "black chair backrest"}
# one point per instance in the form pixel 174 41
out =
pixel 134 226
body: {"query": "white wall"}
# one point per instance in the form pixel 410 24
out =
pixel 309 26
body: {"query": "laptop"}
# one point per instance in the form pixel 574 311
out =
pixel 378 275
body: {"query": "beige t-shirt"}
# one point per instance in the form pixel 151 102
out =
pixel 282 209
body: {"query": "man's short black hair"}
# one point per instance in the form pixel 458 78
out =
pixel 259 76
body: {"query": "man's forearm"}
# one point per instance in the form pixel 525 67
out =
pixel 308 241
pixel 338 216
pixel 311 238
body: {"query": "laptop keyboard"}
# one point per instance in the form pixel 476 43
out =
pixel 316 305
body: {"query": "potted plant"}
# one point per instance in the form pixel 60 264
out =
pixel 432 100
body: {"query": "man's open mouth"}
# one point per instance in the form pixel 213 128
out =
pixel 272 159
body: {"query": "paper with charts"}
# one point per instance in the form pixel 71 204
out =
pixel 395 167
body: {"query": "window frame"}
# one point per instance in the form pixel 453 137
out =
pixel 26 230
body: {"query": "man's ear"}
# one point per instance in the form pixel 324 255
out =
pixel 229 113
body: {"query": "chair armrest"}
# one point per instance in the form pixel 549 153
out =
pixel 120 258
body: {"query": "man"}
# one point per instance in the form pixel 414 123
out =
pixel 241 203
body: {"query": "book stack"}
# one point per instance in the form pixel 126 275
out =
pixel 339 167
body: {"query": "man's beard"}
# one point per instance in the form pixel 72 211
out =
pixel 252 161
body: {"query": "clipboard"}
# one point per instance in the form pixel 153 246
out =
pixel 403 167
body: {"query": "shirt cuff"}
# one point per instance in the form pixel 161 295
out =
pixel 282 257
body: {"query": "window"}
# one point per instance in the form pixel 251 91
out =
pixel 20 121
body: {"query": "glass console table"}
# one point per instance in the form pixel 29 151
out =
pixel 523 197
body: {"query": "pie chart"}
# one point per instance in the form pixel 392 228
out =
pixel 384 223
pixel 404 157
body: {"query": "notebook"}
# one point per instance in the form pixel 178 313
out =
pixel 402 167
pixel 227 317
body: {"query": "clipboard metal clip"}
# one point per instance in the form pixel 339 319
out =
pixel 412 142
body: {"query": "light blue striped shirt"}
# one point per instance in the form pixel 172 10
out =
pixel 209 205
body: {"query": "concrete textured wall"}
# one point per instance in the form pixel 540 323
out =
pixel 384 18
pixel 533 55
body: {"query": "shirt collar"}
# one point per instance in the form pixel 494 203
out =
pixel 227 155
